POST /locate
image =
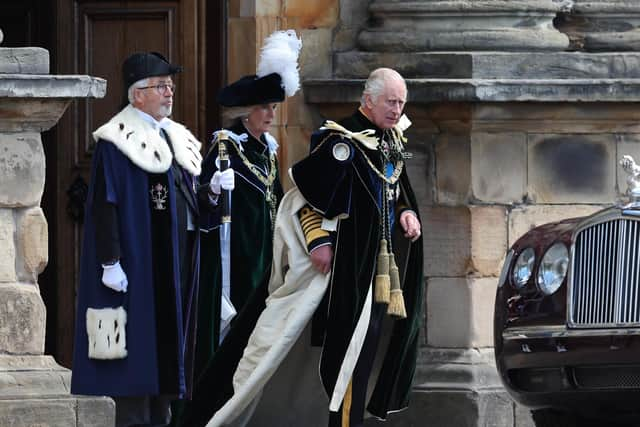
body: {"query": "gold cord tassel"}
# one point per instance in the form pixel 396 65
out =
pixel 396 300
pixel 383 281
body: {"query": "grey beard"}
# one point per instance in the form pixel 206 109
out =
pixel 165 111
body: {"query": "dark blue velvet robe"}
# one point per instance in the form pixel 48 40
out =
pixel 138 374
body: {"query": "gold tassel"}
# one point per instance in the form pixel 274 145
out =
pixel 396 299
pixel 383 281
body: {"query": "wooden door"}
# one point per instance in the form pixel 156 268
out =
pixel 94 37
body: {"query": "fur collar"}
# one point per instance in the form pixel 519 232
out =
pixel 143 145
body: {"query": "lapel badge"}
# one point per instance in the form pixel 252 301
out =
pixel 341 151
pixel 159 197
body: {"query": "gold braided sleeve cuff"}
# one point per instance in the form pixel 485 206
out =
pixel 311 223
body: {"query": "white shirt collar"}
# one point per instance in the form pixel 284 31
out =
pixel 157 125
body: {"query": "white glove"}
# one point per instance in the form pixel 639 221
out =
pixel 113 277
pixel 222 180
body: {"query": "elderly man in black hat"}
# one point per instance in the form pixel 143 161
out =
pixel 137 299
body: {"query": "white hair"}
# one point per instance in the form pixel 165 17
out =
pixel 375 84
pixel 140 83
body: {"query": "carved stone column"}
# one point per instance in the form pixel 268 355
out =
pixel 34 389
pixel 601 26
pixel 463 25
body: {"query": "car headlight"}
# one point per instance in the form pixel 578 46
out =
pixel 553 268
pixel 523 268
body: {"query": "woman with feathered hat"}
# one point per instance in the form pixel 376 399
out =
pixel 229 304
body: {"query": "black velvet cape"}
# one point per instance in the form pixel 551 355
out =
pixel 350 189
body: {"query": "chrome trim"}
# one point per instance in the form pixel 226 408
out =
pixel 606 247
pixel 599 217
pixel 506 266
pixel 539 267
pixel 633 179
pixel 537 332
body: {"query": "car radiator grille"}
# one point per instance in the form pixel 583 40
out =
pixel 598 377
pixel 605 288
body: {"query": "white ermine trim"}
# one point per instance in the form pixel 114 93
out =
pixel 142 144
pixel 106 330
pixel 186 148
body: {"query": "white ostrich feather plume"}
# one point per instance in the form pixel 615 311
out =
pixel 280 55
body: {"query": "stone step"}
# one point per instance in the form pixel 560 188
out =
pixel 460 408
pixel 426 91
pixel 492 65
pixel 34 391
pixel 445 25
pixel 58 411
pixel 23 60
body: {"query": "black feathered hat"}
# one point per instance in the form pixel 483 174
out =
pixel 141 65
pixel 276 76
pixel 252 90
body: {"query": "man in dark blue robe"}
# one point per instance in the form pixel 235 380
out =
pixel 137 298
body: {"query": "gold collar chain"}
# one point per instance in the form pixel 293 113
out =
pixel 266 180
pixel 397 168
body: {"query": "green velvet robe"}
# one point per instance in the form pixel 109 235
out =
pixel 251 241
pixel 251 253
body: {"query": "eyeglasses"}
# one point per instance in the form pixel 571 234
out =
pixel 161 88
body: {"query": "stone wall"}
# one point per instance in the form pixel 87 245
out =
pixel 490 172
pixel 34 389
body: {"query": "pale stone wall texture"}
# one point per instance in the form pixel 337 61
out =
pixel 34 390
pixel 22 320
pixel 23 243
pixel 21 169
pixel 32 243
pixel 514 167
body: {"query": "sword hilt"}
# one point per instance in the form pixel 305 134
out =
pixel 225 163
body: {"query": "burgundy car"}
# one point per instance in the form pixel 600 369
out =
pixel 567 313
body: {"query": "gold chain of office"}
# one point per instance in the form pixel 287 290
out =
pixel 267 180
pixel 393 178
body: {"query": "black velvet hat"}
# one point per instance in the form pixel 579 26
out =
pixel 141 65
pixel 252 90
